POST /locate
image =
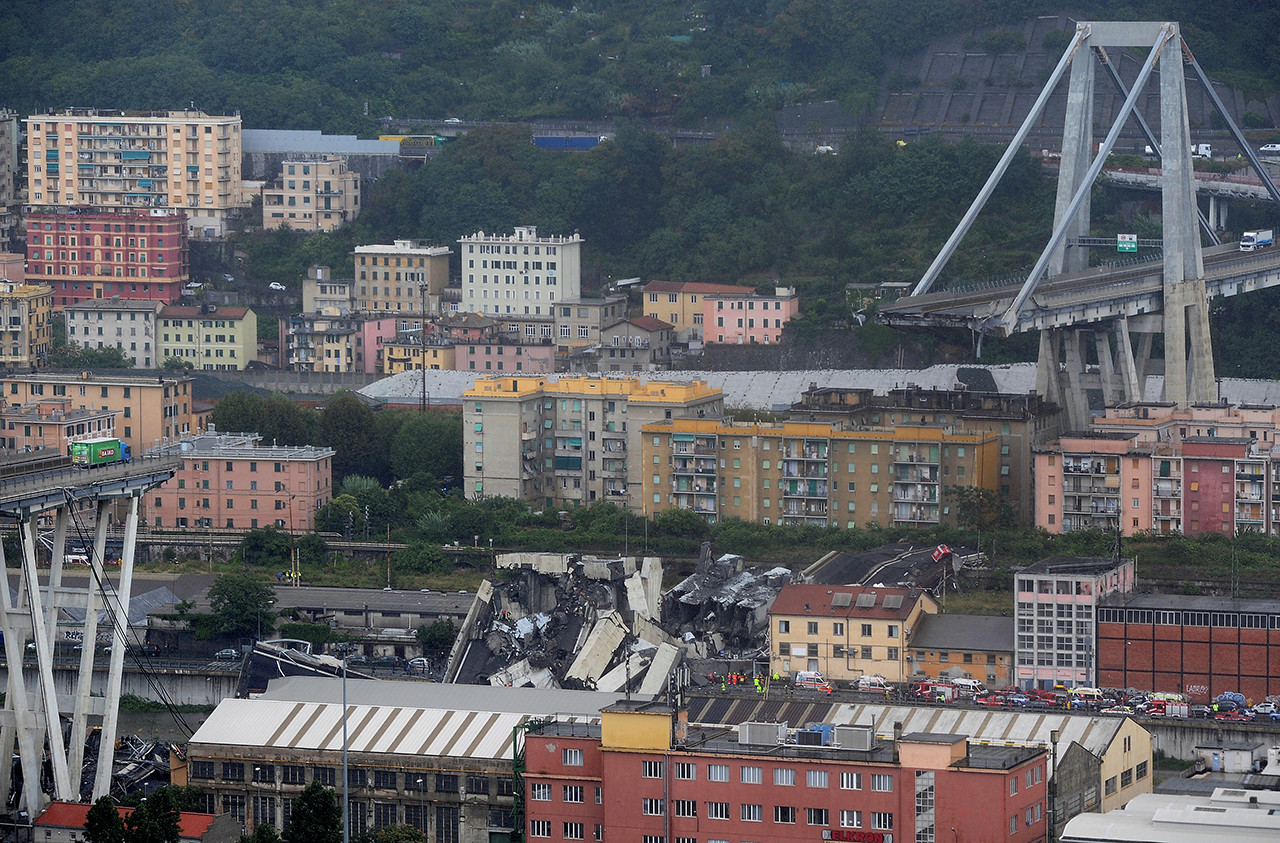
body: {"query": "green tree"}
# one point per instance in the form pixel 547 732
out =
pixel 241 606
pixel 155 820
pixel 347 425
pixel 73 356
pixel 262 833
pixel 420 558
pixel 392 834
pixel 438 638
pixel 316 817
pixel 430 444
pixel 177 364
pixel 279 420
pixel 103 823
pixel 268 546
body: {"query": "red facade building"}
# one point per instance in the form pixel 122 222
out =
pixel 1198 646
pixel 647 778
pixel 85 254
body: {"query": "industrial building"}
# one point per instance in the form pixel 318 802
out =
pixel 431 756
pixel 645 774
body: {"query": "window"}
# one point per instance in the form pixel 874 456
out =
pixel 815 816
pixel 752 813
pixel 717 810
pixel 202 769
pixel 851 781
pixel 882 782
pixel 686 807
pixel 1141 770
pixel 1126 777
pixel 837 628
pixel 652 807
pixel 384 779
pixel 1013 824
pixel 651 769
pixel 325 775
pixel 784 814
pixel 750 775
pixel 784 626
pixel 717 772
pixel 232 771
pixel 784 776
pixel 573 758
pixel 866 630
pixel 1109 786
pixel 882 821
pixel 539 828
pixel 685 771
pixel 1013 785
pixel 850 819
pixel 573 793
pixel 540 792
pixel 816 778
pixel 573 831
pixel 812 627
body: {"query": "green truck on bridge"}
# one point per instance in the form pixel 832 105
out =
pixel 94 452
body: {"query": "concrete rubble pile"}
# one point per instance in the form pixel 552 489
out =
pixel 722 609
pixel 568 621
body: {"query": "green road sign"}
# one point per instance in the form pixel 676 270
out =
pixel 1126 242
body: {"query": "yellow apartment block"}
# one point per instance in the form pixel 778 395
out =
pixel 568 442
pixel 26 324
pixel 812 473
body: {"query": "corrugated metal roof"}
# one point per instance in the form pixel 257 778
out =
pixel 312 142
pixel 1093 733
pixel 387 730
pixel 535 701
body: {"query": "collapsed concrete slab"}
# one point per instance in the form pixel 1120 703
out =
pixel 597 652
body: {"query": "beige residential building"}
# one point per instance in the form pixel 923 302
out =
pixel 129 160
pixel 209 337
pixel 322 295
pixel 505 275
pixel 844 632
pixel 26 328
pixel 312 196
pixel 576 435
pixel 579 323
pixel 812 472
pixel 152 409
pixel 392 278
pixel 681 304
pixel 125 324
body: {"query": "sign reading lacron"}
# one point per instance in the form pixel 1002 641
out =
pixel 1126 242
pixel 850 835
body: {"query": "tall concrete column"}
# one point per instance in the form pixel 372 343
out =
pixel 1188 355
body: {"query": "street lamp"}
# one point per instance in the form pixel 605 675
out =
pixel 422 816
pixel 257 800
pixel 346 804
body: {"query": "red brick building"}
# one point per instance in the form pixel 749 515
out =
pixel 1199 646
pixel 648 778
pixel 86 254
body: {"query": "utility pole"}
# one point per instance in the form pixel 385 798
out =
pixel 424 404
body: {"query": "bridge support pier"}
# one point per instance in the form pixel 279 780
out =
pixel 32 625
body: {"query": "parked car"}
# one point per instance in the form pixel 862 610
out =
pixel 230 654
pixel 420 665
pixel 452 120
pixel 357 659
pixel 993 701
pixel 1265 708
pixel 1037 705
pixel 1274 716
pixel 277 286
pixel 1118 711
pixel 386 661
pixel 1200 711
pixel 1232 716
pixel 1269 147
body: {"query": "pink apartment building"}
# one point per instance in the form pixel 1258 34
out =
pixel 229 481
pixel 744 318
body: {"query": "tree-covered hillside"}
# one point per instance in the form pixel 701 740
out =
pixel 316 63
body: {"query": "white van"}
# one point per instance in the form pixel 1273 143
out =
pixel 969 686
pixel 871 683
pixel 812 679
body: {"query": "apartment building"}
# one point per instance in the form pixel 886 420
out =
pixel 324 295
pixel 231 481
pixel 88 254
pixel 745 318
pixel 645 774
pixel 578 436
pixel 1056 612
pixel 11 186
pixel 127 325
pixel 26 324
pixel 680 304
pixel 1023 423
pixel 844 632
pixel 310 196
pixel 812 472
pixel 129 160
pixel 209 337
pixel 580 324
pixel 520 273
pixel 1183 476
pixel 507 353
pixel 51 423
pixel 968 646
pixel 152 409
pixel 400 277
pixel 354 343
pixel 637 344
pixel 408 353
